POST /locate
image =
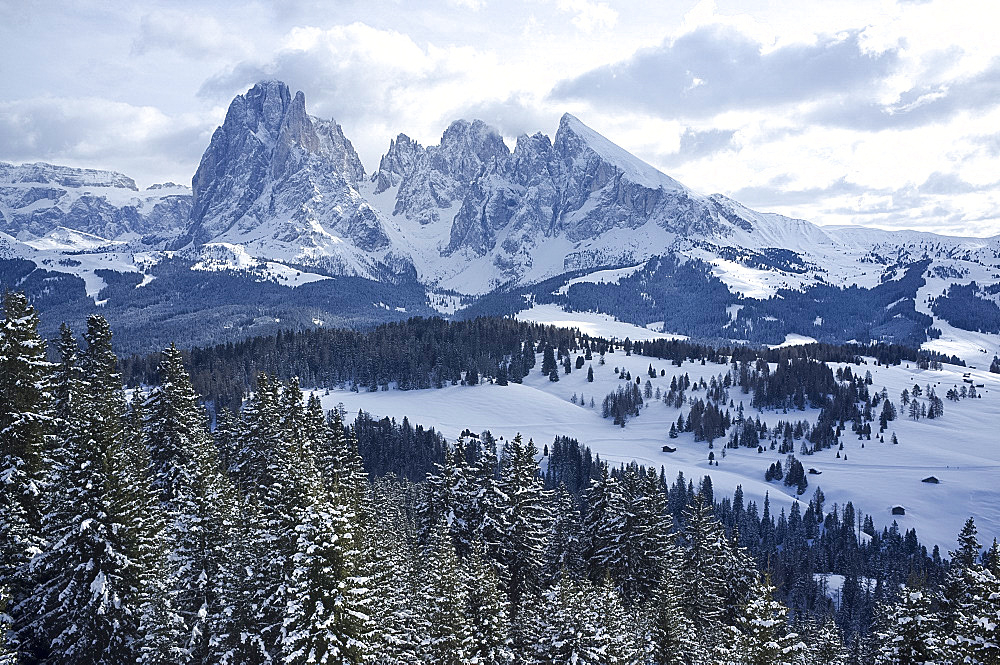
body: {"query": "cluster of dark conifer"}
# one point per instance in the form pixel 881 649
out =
pixel 431 352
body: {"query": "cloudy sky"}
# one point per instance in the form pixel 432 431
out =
pixel 877 112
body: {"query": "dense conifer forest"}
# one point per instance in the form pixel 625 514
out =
pixel 132 531
pixel 428 353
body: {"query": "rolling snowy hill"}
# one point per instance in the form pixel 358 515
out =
pixel 959 449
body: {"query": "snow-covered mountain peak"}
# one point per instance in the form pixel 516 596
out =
pixel 63 176
pixel 396 163
pixel 36 199
pixel 574 137
pixel 280 183
pixel 466 147
pixel 268 143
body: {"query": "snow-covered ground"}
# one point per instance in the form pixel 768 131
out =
pixel 612 276
pixel 962 449
pixel 591 323
pixel 975 348
pixel 791 339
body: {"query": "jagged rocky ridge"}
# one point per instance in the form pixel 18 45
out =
pixel 282 197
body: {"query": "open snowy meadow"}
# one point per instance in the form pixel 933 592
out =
pixel 962 449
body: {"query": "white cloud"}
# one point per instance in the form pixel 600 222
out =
pixel 375 82
pixel 140 141
pixel 589 16
pixel 173 30
pixel 474 5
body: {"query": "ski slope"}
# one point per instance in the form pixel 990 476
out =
pixel 961 449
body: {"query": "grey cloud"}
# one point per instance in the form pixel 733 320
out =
pixel 512 116
pixel 100 134
pixel 948 184
pixel 776 194
pixel 929 206
pixel 990 143
pixel 918 106
pixel 716 68
pixel 175 31
pixel 696 144
pixel 345 90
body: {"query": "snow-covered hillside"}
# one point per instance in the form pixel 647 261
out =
pixel 959 449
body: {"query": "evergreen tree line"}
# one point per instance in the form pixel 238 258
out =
pixel 424 353
pixel 418 353
pixel 885 353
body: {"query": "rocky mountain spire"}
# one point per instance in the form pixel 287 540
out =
pixel 267 137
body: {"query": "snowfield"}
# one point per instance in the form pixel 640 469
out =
pixel 962 449
pixel 591 323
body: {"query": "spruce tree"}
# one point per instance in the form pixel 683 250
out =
pixel 486 611
pixel 564 547
pixel 241 640
pixel 976 633
pixel 26 424
pixel 826 645
pixel 959 576
pixel 8 654
pixel 602 526
pixel 909 630
pixel 390 572
pixel 99 524
pixel 524 520
pixel 196 500
pixel 326 615
pixel 584 624
pixel 762 636
pixel 443 597
pixel 549 362
pixel 703 570
pixel 670 634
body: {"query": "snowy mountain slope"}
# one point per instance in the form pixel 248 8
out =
pixel 38 199
pixel 875 478
pixel 591 323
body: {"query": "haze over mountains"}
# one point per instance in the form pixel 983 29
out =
pixel 281 198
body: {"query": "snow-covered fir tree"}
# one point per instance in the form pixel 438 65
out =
pixel 26 425
pixel 524 518
pixel 445 634
pixel 486 611
pixel 909 631
pixel 197 501
pixel 95 572
pixel 761 634
pixel 8 652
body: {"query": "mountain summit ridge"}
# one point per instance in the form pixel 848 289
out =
pixel 281 195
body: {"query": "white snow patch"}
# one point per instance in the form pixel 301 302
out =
pixel 791 339
pixel 590 323
pixel 612 276
pixel 874 478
